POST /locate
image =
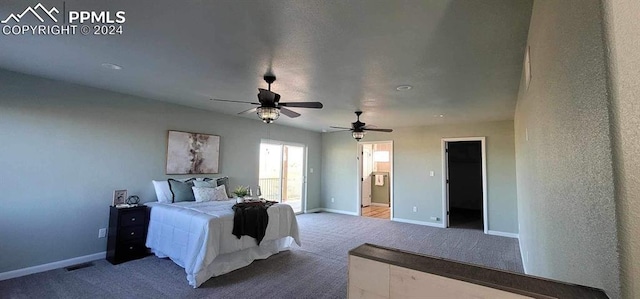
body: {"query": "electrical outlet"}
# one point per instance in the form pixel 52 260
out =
pixel 431 173
pixel 102 233
pixel 333 199
pixel 311 170
pixel 435 218
pixel 415 209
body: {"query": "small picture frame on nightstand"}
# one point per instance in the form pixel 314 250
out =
pixel 119 197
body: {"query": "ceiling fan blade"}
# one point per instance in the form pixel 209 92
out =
pixel 316 105
pixel 342 128
pixel 232 101
pixel 252 110
pixel 378 130
pixel 289 113
pixel 267 97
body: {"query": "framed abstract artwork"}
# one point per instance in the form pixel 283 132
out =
pixel 192 153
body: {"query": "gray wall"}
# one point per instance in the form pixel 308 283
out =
pixel 64 149
pixel 565 177
pixel 417 150
pixel 622 28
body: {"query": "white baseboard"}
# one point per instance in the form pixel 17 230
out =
pixel 53 266
pixel 313 210
pixel 380 204
pixel 434 224
pixel 340 212
pixel 502 234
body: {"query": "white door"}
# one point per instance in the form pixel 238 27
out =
pixel 367 169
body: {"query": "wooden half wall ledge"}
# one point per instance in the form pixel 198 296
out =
pixel 525 285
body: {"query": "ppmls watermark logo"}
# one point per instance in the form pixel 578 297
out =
pixel 64 22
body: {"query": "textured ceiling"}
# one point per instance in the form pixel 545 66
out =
pixel 463 58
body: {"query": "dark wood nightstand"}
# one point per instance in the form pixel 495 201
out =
pixel 127 234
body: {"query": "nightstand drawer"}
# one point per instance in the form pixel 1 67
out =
pixel 136 217
pixel 131 250
pixel 132 232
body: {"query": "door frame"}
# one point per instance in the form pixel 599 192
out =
pixel 305 155
pixel 359 175
pixel 445 176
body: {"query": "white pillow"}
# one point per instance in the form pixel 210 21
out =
pixel 221 193
pixel 163 192
pixel 203 194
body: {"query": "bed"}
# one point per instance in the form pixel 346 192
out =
pixel 198 237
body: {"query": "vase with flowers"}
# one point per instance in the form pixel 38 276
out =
pixel 240 192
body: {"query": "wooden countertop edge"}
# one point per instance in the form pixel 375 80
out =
pixel 525 285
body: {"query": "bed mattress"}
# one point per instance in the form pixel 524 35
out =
pixel 198 237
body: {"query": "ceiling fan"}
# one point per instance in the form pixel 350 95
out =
pixel 270 106
pixel 358 128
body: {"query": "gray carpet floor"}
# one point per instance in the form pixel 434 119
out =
pixel 318 269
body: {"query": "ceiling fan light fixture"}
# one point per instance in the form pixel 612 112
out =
pixel 357 135
pixel 404 87
pixel 268 114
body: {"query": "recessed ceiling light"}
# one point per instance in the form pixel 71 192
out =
pixel 404 87
pixel 111 66
pixel 324 130
pixel 370 102
pixel 438 115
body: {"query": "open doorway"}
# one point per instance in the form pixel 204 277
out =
pixel 282 173
pixel 465 183
pixel 375 175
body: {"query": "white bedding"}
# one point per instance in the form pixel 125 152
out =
pixel 197 237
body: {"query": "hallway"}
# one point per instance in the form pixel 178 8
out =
pixel 377 212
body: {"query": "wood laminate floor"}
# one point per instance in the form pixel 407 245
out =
pixel 377 212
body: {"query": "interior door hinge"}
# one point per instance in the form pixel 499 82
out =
pixel 447 213
pixel 447 181
pixel 362 179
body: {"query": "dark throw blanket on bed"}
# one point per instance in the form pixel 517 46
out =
pixel 251 219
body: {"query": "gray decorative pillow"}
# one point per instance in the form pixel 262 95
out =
pixel 181 191
pixel 224 181
pixel 203 184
